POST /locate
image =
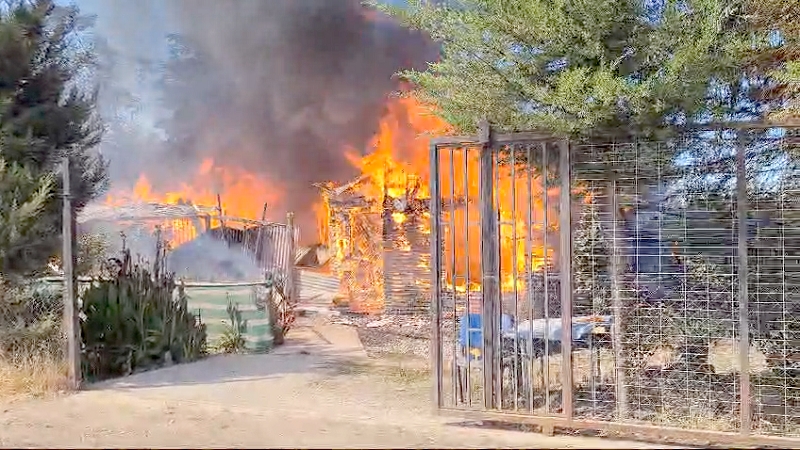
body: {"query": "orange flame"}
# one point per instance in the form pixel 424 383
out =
pixel 240 193
pixel 398 167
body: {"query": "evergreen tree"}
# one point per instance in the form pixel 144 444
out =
pixel 22 200
pixel 575 67
pixel 50 113
pixel 775 60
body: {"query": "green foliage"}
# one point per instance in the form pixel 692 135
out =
pixel 137 320
pixel 776 61
pixel 788 79
pixel 232 339
pixel 22 201
pixel 47 111
pixel 574 67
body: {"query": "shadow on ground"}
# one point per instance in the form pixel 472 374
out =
pixel 305 352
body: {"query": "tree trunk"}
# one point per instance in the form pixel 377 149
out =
pixel 616 270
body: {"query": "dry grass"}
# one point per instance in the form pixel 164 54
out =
pixel 699 420
pixel 32 375
pixel 724 356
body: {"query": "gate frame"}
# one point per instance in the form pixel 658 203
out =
pixel 491 143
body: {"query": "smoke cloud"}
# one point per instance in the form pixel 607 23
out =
pixel 278 87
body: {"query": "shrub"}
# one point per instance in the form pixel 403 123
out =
pixel 138 319
pixel 232 339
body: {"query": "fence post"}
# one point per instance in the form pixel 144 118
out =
pixel 565 224
pixel 291 276
pixel 436 278
pixel 70 319
pixel 490 248
pixel 744 325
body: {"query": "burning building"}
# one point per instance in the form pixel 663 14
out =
pixel 203 244
pixel 378 225
pixel 381 251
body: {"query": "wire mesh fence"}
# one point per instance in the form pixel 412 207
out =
pixel 32 341
pixel 666 270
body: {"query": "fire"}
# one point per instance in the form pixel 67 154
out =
pixel 398 165
pixel 239 194
pixel 461 216
pixel 397 170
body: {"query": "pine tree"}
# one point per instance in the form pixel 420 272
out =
pixel 49 113
pixel 776 58
pixel 22 200
pixel 574 67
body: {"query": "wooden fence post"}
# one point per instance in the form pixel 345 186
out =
pixel 70 319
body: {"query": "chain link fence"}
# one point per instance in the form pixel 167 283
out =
pixel 32 343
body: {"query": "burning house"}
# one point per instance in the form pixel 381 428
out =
pixel 378 225
pixel 381 250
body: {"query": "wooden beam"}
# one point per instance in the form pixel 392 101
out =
pixel 70 316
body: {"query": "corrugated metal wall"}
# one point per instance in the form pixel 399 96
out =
pixel 317 287
pixel 210 302
pixel 276 247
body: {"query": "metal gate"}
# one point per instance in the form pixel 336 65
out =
pixel 519 335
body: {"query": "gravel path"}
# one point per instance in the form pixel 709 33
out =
pixel 398 335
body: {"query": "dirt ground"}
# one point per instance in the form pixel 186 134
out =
pixel 318 390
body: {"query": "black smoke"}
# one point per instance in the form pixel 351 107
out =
pixel 278 87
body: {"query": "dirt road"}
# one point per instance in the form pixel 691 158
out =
pixel 317 391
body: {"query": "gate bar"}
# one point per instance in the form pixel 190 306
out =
pixel 489 264
pixel 565 224
pixel 744 326
pixel 436 280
